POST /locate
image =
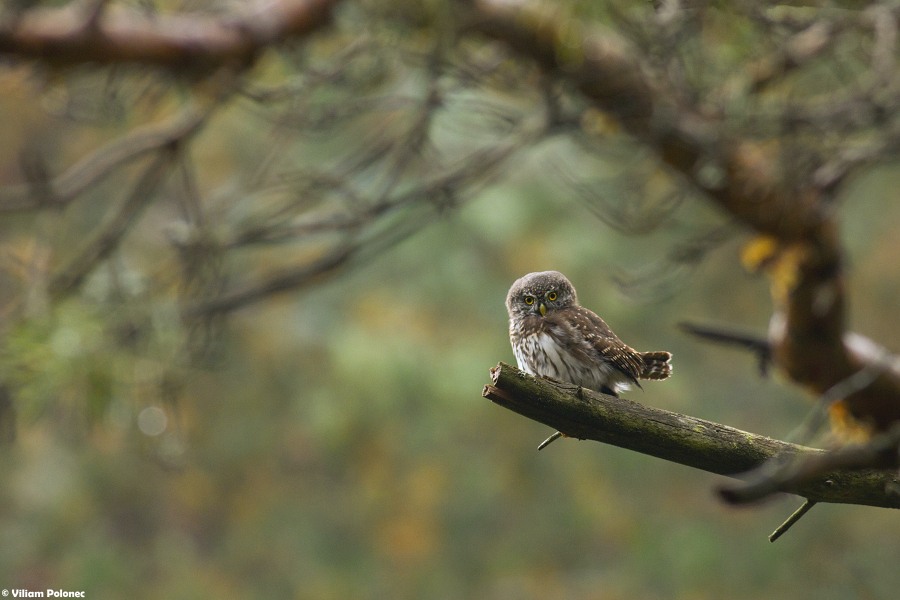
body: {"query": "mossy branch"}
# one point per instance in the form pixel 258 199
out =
pixel 704 445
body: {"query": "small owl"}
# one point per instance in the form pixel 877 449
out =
pixel 553 336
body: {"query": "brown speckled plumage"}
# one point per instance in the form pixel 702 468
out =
pixel 553 336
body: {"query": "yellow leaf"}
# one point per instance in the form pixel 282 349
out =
pixel 759 253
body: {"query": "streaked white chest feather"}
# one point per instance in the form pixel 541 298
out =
pixel 552 360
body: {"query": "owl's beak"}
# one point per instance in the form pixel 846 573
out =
pixel 543 308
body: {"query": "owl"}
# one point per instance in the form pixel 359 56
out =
pixel 553 336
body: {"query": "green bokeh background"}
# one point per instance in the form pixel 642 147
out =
pixel 341 448
pixel 336 444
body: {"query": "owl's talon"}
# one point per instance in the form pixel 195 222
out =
pixel 551 439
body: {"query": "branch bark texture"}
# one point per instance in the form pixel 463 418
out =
pixel 678 438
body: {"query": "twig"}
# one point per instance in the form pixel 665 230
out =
pixel 796 51
pixel 64 188
pixel 747 341
pixel 365 231
pixel 288 279
pixel 791 520
pixel 106 240
pixel 555 436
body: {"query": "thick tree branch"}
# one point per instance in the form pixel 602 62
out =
pixel 778 475
pixel 79 34
pixel 686 440
pixel 609 72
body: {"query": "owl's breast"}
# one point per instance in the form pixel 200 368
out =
pixel 541 354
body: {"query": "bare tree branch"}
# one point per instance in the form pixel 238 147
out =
pixel 59 191
pixel 294 278
pixel 704 445
pixel 788 472
pixel 367 230
pixel 67 279
pixel 795 52
pixel 97 33
pixel 758 345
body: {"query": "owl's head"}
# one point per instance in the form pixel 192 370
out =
pixel 540 294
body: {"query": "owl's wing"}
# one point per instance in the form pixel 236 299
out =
pixel 601 338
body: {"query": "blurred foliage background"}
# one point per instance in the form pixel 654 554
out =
pixel 331 442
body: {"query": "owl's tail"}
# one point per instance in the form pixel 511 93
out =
pixel 657 365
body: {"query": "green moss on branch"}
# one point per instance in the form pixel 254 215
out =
pixel 705 445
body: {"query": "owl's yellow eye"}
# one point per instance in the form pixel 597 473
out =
pixel 551 296
pixel 529 300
